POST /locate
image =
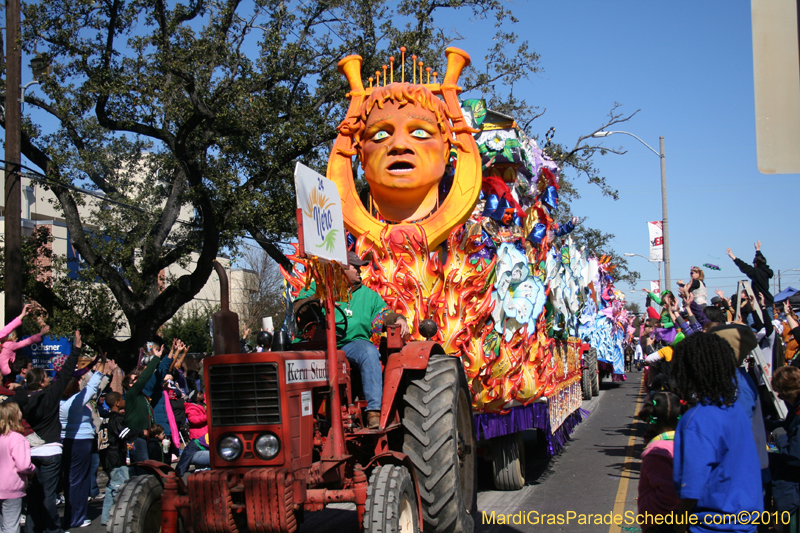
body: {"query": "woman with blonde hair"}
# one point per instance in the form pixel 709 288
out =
pixel 696 287
pixel 15 466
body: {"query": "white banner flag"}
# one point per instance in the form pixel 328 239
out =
pixel 323 224
pixel 656 241
pixel 655 286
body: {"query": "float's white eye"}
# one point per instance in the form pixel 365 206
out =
pixel 381 135
pixel 420 134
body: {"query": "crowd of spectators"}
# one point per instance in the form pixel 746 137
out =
pixel 723 431
pixel 57 433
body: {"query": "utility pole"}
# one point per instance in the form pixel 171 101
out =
pixel 664 222
pixel 13 203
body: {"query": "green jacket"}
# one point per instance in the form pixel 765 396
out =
pixel 137 407
pixel 666 320
pixel 365 312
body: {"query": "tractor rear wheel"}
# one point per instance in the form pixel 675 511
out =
pixel 391 501
pixel 439 438
pixel 586 384
pixel 137 508
pixel 508 462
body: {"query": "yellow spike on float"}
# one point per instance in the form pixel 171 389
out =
pixel 434 76
pixel 414 66
pixel 428 70
pixel 385 68
pixel 371 79
pixel 403 64
pixel 377 78
pixel 420 73
pixel 391 69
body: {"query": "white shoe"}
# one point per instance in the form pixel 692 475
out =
pixel 86 523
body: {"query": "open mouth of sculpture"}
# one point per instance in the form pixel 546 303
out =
pixel 401 167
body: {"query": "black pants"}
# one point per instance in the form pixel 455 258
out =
pixel 42 514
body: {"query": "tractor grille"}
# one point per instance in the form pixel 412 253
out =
pixel 244 394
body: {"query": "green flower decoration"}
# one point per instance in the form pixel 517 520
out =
pixel 330 240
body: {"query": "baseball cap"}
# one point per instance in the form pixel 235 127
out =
pixel 715 300
pixel 353 259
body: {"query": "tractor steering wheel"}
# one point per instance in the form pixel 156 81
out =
pixel 310 315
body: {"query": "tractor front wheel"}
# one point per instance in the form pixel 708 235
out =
pixel 439 438
pixel 391 502
pixel 137 508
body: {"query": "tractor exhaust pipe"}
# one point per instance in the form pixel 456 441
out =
pixel 225 323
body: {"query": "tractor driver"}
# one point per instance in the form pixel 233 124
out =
pixel 366 314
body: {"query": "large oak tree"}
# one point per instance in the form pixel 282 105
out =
pixel 188 120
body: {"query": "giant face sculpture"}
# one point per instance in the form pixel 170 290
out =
pixel 404 157
pixel 403 150
pixel 404 177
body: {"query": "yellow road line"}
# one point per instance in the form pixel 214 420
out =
pixel 622 491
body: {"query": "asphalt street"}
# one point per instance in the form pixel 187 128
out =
pixel 597 473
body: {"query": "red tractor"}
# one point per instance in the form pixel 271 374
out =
pixel 287 435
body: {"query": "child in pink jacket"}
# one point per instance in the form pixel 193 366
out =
pixel 15 466
pixel 8 351
pixel 10 327
pixel 657 495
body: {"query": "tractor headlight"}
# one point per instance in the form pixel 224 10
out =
pixel 230 447
pixel 267 446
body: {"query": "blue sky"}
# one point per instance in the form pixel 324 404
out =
pixel 688 66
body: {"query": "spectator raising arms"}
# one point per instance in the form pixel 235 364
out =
pixel 759 275
pixel 8 336
pixel 79 436
pixel 40 407
pixel 138 413
pixel 696 287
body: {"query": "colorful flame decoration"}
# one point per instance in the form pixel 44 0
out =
pixel 514 363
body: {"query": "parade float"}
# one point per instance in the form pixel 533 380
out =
pixel 459 225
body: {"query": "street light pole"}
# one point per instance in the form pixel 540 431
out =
pixel 13 202
pixel 656 263
pixel 664 217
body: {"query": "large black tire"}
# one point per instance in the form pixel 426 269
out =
pixel 391 501
pixel 137 508
pixel 508 462
pixel 439 438
pixel 593 369
pixel 586 384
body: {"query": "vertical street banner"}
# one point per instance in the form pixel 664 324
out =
pixel 655 286
pixel 656 241
pixel 323 224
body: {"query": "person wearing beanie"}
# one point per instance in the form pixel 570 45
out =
pixel 743 341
